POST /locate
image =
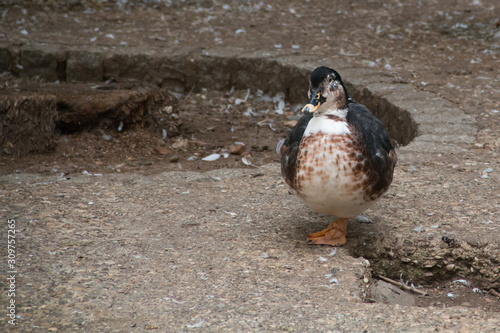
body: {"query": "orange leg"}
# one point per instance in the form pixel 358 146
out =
pixel 333 235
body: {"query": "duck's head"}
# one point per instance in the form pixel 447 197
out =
pixel 326 92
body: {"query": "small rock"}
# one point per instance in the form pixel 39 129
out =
pixel 290 123
pixel 168 109
pixel 238 149
pixel 8 148
pixel 162 150
pixel 199 143
pixel 180 143
pixel 151 327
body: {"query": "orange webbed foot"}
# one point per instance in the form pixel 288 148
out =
pixel 333 235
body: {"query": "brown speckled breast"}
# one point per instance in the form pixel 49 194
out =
pixel 332 174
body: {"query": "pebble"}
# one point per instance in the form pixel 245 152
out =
pixel 238 149
pixel 162 150
pixel 450 267
pixel 180 143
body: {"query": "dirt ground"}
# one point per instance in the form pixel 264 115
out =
pixel 449 48
pixel 212 123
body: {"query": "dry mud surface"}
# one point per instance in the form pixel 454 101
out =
pixel 126 231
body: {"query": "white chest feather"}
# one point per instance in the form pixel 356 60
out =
pixel 326 125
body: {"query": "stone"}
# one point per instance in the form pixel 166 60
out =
pixel 162 150
pixel 387 293
pixel 238 149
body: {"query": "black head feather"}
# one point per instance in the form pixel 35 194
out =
pixel 319 75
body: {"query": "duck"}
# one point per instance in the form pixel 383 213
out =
pixel 339 158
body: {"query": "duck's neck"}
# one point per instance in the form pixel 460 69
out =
pixel 341 113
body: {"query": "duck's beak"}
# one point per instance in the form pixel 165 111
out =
pixel 314 103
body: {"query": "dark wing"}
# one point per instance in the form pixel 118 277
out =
pixel 288 149
pixel 377 147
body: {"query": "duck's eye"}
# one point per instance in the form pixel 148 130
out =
pixel 330 79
